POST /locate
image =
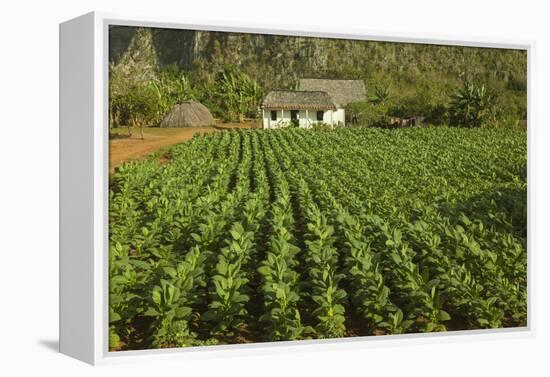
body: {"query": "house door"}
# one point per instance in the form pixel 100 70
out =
pixel 294 117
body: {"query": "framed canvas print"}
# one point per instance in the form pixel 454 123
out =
pixel 239 189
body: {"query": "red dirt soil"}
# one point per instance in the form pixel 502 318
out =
pixel 123 148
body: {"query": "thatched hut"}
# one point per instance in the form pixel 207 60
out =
pixel 188 114
pixel 282 108
pixel 317 101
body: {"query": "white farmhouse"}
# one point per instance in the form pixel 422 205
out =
pixel 316 101
pixel 281 108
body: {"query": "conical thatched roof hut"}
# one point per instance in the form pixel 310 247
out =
pixel 188 114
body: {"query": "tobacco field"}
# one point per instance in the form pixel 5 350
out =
pixel 252 236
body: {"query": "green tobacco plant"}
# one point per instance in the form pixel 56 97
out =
pixel 280 281
pixel 322 260
pixel 171 319
pixel 172 301
pixel 370 294
pixel 292 234
pixel 227 307
pixel 418 290
pixel 280 286
pixel 396 324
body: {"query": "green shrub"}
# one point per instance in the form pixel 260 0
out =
pixel 511 107
pixel 472 106
pixel 517 84
pixel 369 114
pixel 320 126
pixel 427 99
pixel 506 118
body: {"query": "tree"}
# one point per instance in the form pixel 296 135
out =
pixel 141 104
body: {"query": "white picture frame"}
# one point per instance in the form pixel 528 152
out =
pixel 84 192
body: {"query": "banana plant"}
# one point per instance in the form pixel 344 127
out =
pixel 472 106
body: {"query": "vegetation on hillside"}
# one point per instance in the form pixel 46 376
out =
pixel 230 72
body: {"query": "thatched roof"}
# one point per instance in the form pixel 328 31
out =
pixel 342 92
pixel 188 114
pixel 296 100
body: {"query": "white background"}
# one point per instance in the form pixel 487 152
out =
pixel 29 184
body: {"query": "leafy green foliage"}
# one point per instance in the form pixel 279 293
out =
pixel 382 95
pixel 227 305
pixel 371 296
pixel 396 324
pixel 238 94
pixel 171 302
pixel 296 234
pixel 369 114
pixel 138 101
pixel 172 87
pixel 322 259
pixel 226 71
pixel 472 106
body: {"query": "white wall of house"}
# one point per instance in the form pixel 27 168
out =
pixel 306 118
pixel 339 117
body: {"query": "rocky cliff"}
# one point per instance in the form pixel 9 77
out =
pixel 278 61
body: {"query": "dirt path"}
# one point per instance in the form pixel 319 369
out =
pixel 123 148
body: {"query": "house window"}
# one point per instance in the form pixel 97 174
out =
pixel 273 114
pixel 294 114
pixel 320 115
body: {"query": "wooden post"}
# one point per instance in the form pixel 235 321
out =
pixel 282 115
pixel 263 118
pixel 307 118
pixel 344 122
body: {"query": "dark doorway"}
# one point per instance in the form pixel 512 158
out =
pixel 294 118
